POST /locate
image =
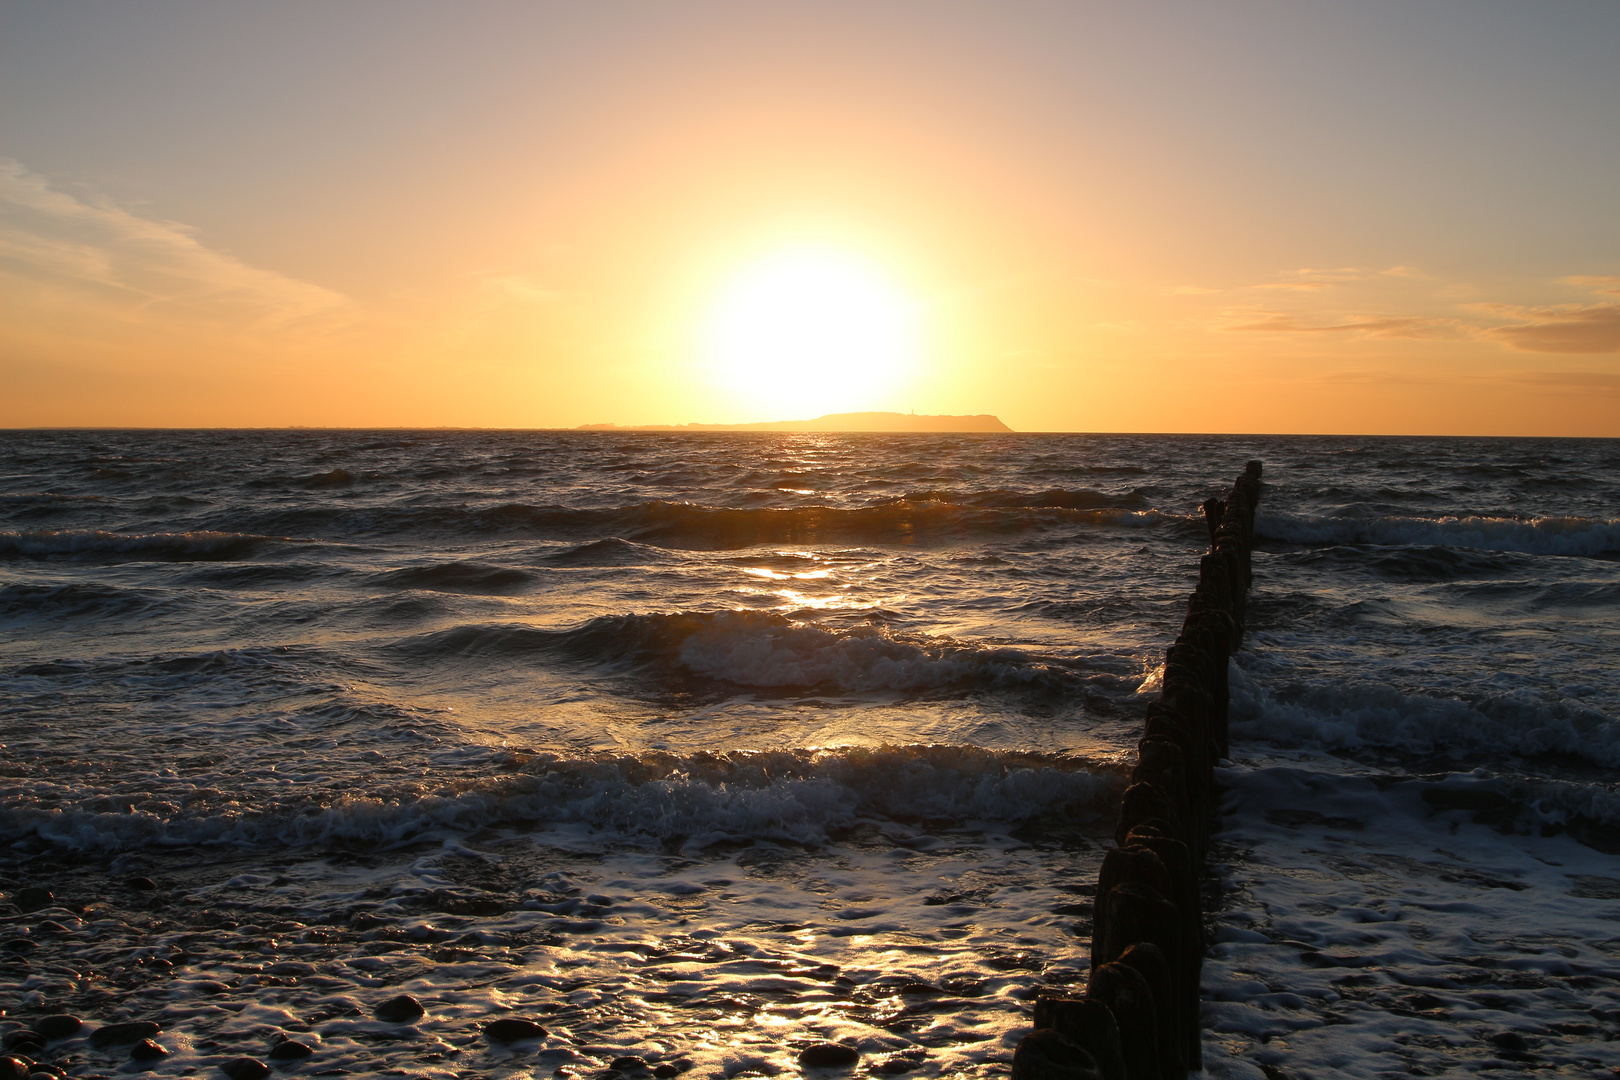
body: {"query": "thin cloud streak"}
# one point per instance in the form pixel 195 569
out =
pixel 1402 326
pixel 136 267
pixel 1565 328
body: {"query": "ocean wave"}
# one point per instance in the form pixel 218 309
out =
pixel 1413 564
pixel 1051 498
pixel 460 577
pixel 1538 536
pixel 800 796
pixel 610 552
pixel 696 527
pixel 43 498
pixel 24 602
pixel 1361 715
pixel 96 544
pixel 764 650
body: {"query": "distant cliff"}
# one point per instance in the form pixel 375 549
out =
pixel 848 421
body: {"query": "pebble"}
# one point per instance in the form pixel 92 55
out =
pixel 13 1069
pixel 23 1040
pixel 828 1056
pixel 290 1051
pixel 399 1010
pixel 57 1027
pixel 147 1050
pixel 113 1034
pixel 509 1029
pixel 141 883
pixel 245 1068
pixel 33 898
pixel 629 1063
pixel 665 1071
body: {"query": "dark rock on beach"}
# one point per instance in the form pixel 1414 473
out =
pixel 510 1029
pixel 245 1068
pixel 22 1041
pixel 399 1010
pixel 142 884
pixel 147 1050
pixel 13 1069
pixel 118 1034
pixel 32 898
pixel 58 1027
pixel 829 1056
pixel 290 1050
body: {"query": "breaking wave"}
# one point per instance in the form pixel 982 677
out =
pixel 802 796
pixel 1539 536
pixel 766 650
pixel 1356 716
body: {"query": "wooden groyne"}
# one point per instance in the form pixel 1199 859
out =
pixel 1138 1016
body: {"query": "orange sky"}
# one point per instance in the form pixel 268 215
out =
pixel 1379 217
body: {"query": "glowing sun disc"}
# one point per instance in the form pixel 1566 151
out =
pixel 811 330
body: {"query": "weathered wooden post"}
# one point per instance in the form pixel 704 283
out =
pixel 1139 1018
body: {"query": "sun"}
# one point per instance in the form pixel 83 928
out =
pixel 808 331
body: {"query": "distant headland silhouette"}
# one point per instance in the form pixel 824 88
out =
pixel 848 421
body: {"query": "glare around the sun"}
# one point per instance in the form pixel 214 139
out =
pixel 812 331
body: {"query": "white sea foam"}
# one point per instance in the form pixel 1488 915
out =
pixel 1537 536
pixel 1353 715
pixel 1372 934
pixel 798 796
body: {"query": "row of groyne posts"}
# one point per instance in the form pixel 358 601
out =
pixel 1138 1018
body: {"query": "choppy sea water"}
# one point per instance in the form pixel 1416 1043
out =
pixel 701 748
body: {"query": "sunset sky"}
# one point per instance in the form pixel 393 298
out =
pixel 1239 216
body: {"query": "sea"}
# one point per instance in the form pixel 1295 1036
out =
pixel 700 749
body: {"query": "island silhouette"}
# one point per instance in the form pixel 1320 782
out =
pixel 850 421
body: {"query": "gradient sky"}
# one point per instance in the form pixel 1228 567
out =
pixel 1239 216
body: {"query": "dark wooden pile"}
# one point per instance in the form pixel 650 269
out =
pixel 1138 1017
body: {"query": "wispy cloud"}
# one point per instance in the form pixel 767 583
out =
pixel 1601 382
pixel 1562 328
pixel 95 258
pixel 1595 283
pixel 1387 326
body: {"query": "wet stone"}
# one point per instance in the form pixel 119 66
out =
pixel 245 1068
pixel 665 1071
pixel 141 884
pixel 509 1029
pixel 23 1041
pixel 147 1050
pixel 828 1056
pixel 33 898
pixel 399 1010
pixel 117 1034
pixel 1509 1040
pixel 13 1068
pixel 629 1063
pixel 58 1027
pixel 290 1051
